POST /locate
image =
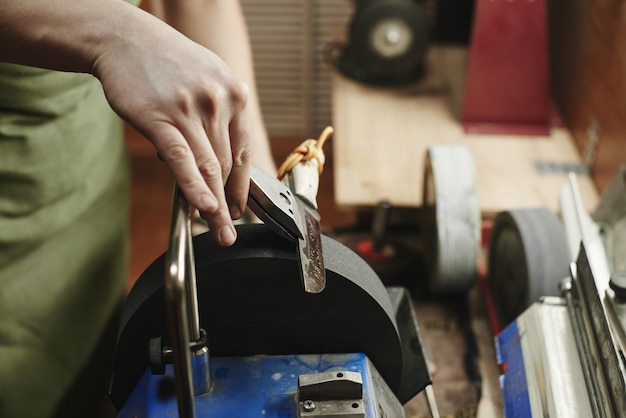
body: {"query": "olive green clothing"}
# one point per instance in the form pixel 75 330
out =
pixel 63 224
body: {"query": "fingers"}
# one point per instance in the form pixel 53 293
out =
pixel 238 183
pixel 192 107
pixel 227 131
pixel 198 172
pixel 214 160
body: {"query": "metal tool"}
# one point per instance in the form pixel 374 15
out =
pixel 275 205
pixel 303 180
pixel 189 349
pixel 290 208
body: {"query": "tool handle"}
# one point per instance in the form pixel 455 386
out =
pixel 304 176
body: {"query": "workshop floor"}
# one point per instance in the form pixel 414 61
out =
pixel 454 329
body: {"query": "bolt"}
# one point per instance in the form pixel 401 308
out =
pixel 308 406
pixel 392 36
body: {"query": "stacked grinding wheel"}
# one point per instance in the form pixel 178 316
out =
pixel 451 218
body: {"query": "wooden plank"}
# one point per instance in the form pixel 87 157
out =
pixel 381 137
pixel 588 66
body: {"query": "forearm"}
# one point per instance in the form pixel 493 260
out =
pixel 60 34
pixel 219 25
pixel 178 94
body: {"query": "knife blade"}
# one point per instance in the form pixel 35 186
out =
pixel 303 180
pixel 275 205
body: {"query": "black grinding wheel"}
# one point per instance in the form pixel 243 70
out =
pixel 388 42
pixel 528 257
pixel 251 301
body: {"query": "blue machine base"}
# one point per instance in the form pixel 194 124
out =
pixel 513 381
pixel 256 386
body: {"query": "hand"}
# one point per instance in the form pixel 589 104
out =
pixel 189 104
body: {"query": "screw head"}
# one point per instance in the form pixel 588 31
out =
pixel 308 406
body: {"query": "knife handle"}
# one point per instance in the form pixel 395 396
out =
pixel 304 177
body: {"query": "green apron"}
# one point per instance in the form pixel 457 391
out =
pixel 63 222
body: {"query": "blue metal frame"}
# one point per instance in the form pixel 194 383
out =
pixel 513 382
pixel 255 386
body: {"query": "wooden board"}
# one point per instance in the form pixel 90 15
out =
pixel 588 70
pixel 381 137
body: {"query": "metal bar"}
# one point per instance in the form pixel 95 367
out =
pixel 190 283
pixel 593 309
pixel 176 294
pixel 432 403
pixel 584 350
pixel 379 224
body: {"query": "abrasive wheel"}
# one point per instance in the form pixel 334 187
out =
pixel 450 218
pixel 528 257
pixel 251 301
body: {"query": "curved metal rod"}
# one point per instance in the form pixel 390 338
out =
pixel 181 302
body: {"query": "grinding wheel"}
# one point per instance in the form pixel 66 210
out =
pixel 528 257
pixel 388 42
pixel 251 301
pixel 450 218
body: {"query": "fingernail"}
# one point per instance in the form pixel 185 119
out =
pixel 227 235
pixel 208 202
pixel 235 212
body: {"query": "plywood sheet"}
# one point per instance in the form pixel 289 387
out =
pixel 381 138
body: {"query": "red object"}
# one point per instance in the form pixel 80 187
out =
pixel 507 86
pixel 492 316
pixel 366 249
pixel 482 276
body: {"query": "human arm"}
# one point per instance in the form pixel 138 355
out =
pixel 178 94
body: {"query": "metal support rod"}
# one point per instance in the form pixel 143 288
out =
pixel 432 403
pixel 180 318
pixel 190 283
pixel 379 224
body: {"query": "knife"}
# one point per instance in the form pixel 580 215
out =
pixel 303 181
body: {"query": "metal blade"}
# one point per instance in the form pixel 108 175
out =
pixel 310 254
pixel 274 204
pixel 293 218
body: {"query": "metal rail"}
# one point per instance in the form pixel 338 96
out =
pixel 181 302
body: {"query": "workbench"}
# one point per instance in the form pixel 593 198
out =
pixel 382 135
